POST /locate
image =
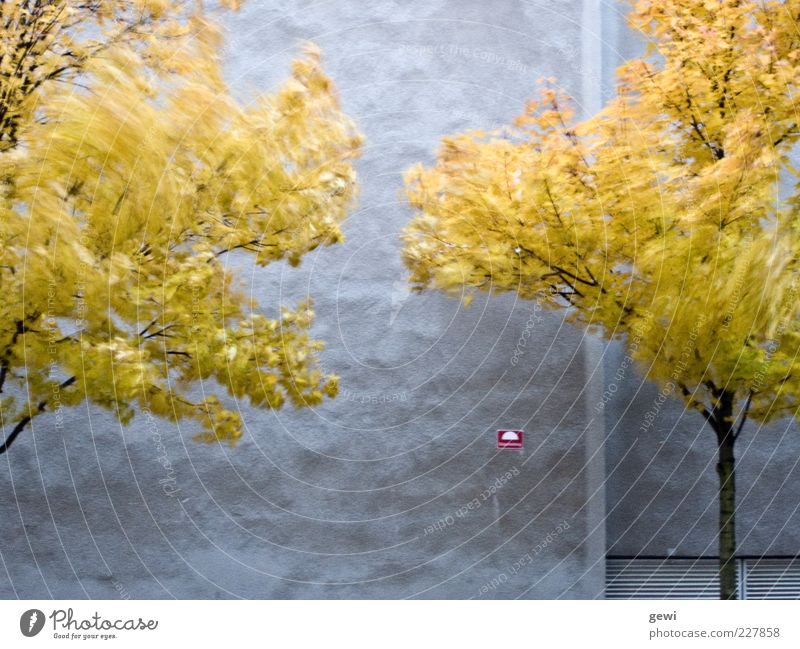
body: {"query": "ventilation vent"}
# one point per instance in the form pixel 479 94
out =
pixel 772 578
pixel 655 578
pixel 662 578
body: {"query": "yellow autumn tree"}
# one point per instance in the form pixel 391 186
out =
pixel 668 221
pixel 128 172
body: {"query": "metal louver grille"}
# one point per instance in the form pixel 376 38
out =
pixel 772 578
pixel 662 578
pixel 656 578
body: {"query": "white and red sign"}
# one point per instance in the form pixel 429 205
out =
pixel 509 438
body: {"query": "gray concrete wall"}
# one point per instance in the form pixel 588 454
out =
pixel 355 498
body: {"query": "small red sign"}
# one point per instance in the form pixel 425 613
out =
pixel 509 439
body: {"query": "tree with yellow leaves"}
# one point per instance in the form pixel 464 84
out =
pixel 128 173
pixel 660 220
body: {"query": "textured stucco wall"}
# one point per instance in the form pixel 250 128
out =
pixel 336 502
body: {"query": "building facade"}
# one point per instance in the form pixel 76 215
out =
pixel 396 489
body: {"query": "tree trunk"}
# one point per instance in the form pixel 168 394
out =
pixel 727 514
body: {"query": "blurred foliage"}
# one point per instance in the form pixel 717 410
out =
pixel 128 171
pixel 662 221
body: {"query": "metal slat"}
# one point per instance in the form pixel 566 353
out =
pixel 661 579
pixel 772 578
pixel 676 578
